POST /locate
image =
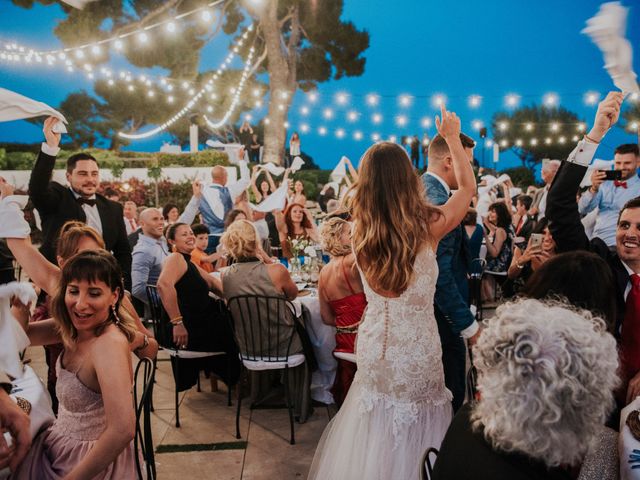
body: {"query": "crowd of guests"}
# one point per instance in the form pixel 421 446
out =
pixel 555 365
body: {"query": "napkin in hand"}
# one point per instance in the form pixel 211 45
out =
pixel 275 201
pixel 14 106
pixel 12 222
pixel 296 164
pixel 12 336
pixel 340 171
pixel 607 30
pixel 273 169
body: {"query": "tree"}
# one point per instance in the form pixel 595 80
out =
pixel 82 111
pixel 536 132
pixel 298 44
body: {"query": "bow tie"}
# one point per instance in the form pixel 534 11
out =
pixel 88 201
pixel 617 183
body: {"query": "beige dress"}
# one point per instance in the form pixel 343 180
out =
pixel 252 278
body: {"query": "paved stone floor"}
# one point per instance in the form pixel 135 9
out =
pixel 208 423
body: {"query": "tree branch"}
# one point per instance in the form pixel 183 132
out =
pixel 148 17
pixel 258 62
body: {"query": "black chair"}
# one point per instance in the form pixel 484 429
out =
pixel 143 440
pixel 476 271
pixel 426 467
pixel 161 322
pixel 257 332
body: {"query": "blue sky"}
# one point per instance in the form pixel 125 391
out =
pixel 420 48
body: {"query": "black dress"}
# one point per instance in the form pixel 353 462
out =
pixel 207 322
pixel 466 455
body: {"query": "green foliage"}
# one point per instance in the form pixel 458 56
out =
pixel 542 118
pixel 630 116
pixel 521 177
pixel 84 116
pixel 17 161
pixel 313 180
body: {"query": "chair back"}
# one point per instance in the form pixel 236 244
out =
pixel 426 467
pixel 143 440
pixel 159 316
pixel 264 326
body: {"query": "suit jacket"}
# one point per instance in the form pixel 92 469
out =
pixel 451 300
pixel 57 205
pixel 568 231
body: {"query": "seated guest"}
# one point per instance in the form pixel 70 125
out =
pixel 130 213
pixel 327 193
pixel 524 263
pixel 198 254
pixel 148 255
pixel 251 276
pixel 170 213
pixel 15 421
pixel 546 375
pixel 342 299
pixel 196 321
pixel 298 196
pixel 474 231
pixel 610 196
pixel 233 215
pixel 581 278
pixel 92 436
pixel 522 223
pixel 539 203
pixel 295 223
pixel 498 236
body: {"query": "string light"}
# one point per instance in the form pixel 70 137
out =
pixel 474 101
pixel 591 98
pixel 550 100
pixel 439 100
pixel 327 113
pixel 425 122
pixel 373 100
pixel 477 124
pixel 512 100
pixel 191 103
pixel 376 118
pixel 375 137
pixel 352 116
pixel 342 98
pixel 357 135
pixel 401 120
pixel 404 100
pixel 312 97
pixel 502 126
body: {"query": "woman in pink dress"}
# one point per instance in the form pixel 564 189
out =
pixel 342 299
pixel 93 434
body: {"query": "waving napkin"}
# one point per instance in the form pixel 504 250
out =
pixel 273 169
pixel 607 31
pixel 296 164
pixel 275 201
pixel 14 106
pixel 12 336
pixel 12 222
pixel 340 171
pixel 79 4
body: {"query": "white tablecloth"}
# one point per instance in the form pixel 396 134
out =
pixel 323 339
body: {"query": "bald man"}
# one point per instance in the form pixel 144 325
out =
pixel 218 199
pixel 148 254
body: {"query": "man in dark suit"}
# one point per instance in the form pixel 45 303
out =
pixel 568 233
pixel 455 320
pixel 58 204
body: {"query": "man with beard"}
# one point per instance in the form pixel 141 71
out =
pixel 568 232
pixel 58 204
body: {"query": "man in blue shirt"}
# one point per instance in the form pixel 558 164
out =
pixel 148 254
pixel 610 196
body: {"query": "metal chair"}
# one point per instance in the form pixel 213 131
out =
pixel 161 322
pixel 426 467
pixel 475 285
pixel 143 440
pixel 264 342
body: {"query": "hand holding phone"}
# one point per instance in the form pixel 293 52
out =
pixel 612 175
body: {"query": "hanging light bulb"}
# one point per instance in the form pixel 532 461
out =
pixel 372 99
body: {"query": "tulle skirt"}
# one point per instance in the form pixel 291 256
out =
pixel 359 444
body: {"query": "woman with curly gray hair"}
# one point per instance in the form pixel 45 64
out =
pixel 546 375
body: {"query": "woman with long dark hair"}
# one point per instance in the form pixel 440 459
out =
pixel 398 405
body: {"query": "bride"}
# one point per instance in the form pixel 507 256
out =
pixel 398 405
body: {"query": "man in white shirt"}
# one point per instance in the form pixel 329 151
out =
pixel 130 212
pixel 548 173
pixel 218 200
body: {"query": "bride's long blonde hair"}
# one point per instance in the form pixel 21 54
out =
pixel 391 217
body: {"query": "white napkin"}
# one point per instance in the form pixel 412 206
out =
pixel 296 164
pixel 607 30
pixel 13 338
pixel 14 106
pixel 79 4
pixel 275 201
pixel 340 171
pixel 273 169
pixel 12 222
pixel 597 164
pixel 627 443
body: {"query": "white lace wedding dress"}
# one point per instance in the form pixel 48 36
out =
pixel 398 405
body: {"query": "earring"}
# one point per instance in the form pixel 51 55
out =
pixel 116 318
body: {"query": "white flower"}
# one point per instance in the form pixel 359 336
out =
pixel 310 251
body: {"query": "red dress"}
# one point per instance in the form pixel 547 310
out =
pixel 348 313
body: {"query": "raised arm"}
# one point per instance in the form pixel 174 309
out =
pixel 44 198
pixel 254 187
pixel 272 184
pixel 352 170
pixel 562 208
pixel 456 208
pixel 192 208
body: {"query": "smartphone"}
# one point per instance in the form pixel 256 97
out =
pixel 535 241
pixel 612 174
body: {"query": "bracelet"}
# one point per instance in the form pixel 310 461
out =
pixel 179 322
pixel 174 320
pixel 145 344
pixel 520 267
pixel 591 139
